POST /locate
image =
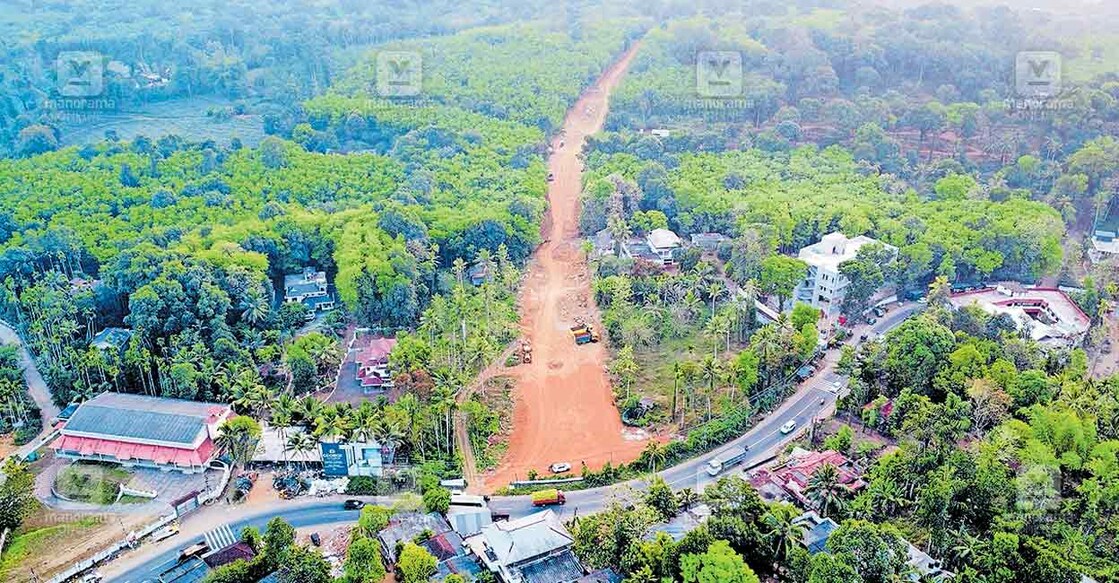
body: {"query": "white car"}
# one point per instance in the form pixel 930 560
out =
pixel 788 427
pixel 834 387
pixel 560 467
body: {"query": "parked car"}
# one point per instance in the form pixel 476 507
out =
pixel 560 467
pixel 788 427
pixel 834 386
pixel 353 504
pixel 880 311
pixel 166 532
pixel 551 177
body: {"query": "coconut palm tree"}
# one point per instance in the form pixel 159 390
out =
pixel 676 374
pixel 282 422
pixel 687 498
pixel 711 373
pixel 656 454
pixel 238 436
pixel 784 534
pixel 715 290
pixel 308 409
pixel 825 490
pixel 366 420
pixel 443 401
pixel 301 444
pixel 254 308
pixel 390 433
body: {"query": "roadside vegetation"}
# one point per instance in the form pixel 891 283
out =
pixel 20 416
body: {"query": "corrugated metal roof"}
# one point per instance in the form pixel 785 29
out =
pixel 557 568
pixel 156 419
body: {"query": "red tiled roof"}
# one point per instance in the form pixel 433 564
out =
pixel 377 351
pixel 793 477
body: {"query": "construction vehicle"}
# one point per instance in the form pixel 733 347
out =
pixel 583 333
pixel 526 352
pixel 548 497
pixel 726 458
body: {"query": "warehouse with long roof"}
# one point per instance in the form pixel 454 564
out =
pixel 142 431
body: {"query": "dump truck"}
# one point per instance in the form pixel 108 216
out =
pixel 548 497
pixel 726 458
pixel 583 334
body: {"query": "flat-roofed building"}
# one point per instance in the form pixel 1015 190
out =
pixel 825 287
pixel 1047 315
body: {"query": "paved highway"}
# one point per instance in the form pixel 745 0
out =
pixel 815 399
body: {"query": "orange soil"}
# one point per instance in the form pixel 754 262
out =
pixel 564 408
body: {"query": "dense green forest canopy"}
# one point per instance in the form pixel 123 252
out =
pixel 266 57
pixel 911 91
pixel 794 198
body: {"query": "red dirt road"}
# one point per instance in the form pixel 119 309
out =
pixel 564 407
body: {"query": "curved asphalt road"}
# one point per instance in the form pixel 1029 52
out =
pixel 812 401
pixel 36 386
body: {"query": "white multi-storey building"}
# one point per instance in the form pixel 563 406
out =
pixel 825 286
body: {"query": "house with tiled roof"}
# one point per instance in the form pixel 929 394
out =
pixel 373 363
pixel 406 527
pixel 789 480
pixel 143 431
pixel 444 544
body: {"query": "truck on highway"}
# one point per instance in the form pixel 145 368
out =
pixel 726 458
pixel 548 497
pixel 583 334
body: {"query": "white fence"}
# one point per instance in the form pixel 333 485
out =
pixel 528 483
pixel 108 553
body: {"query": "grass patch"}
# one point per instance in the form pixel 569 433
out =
pixel 41 541
pixel 92 482
pixel 656 377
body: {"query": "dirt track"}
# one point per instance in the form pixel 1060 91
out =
pixel 564 408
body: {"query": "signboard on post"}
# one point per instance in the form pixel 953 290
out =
pixel 334 460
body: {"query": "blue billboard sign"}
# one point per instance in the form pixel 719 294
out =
pixel 334 460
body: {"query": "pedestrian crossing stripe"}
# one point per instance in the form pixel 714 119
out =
pixel 219 538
